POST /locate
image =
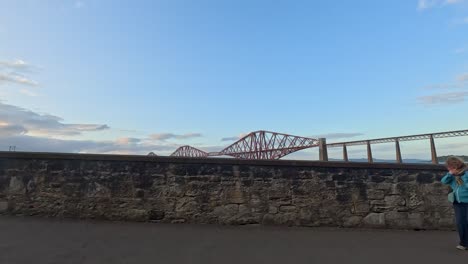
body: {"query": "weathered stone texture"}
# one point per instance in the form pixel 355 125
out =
pixel 225 194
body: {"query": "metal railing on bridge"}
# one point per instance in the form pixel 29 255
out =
pixel 397 140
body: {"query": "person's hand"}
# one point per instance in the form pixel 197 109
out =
pixel 453 171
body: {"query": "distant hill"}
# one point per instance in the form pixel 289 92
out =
pixel 441 159
pixel 444 158
pixel 386 160
pixel 393 161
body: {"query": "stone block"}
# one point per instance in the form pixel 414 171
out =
pixel 138 215
pixel 268 219
pixel 95 189
pixel 377 178
pixel 186 204
pixel 156 215
pixel 285 219
pixel 374 220
pixel 375 194
pixel 402 209
pixel 394 200
pixel 386 186
pixel 272 210
pixel 447 222
pixel 415 201
pixel 16 185
pixel 425 178
pixel 379 206
pixel 360 208
pixel 287 208
pixel 243 209
pixel 226 211
pixel 406 178
pixel 305 215
pixel 395 219
pixel 437 200
pixel 435 189
pixel 394 190
pixel 352 221
pixel 234 194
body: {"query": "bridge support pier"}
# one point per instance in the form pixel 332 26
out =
pixel 323 154
pixel 345 153
pixel 398 151
pixel 369 152
pixel 433 150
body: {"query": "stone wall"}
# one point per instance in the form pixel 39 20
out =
pixel 224 191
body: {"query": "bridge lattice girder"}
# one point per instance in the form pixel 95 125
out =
pixel 457 133
pixel 188 151
pixel 270 145
pixel 267 145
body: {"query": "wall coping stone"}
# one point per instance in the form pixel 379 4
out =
pixel 220 161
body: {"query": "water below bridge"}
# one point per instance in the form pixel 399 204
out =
pixel 39 240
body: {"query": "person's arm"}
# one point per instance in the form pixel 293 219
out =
pixel 447 179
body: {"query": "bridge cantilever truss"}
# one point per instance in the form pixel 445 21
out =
pixel 188 151
pixel 267 145
pixel 256 145
pixel 271 145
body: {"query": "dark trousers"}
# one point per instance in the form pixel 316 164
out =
pixel 461 217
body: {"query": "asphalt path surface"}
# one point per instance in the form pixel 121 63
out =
pixel 37 240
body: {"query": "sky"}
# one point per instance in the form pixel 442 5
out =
pixel 130 77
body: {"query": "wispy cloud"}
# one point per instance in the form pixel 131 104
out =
pixel 443 98
pixel 234 138
pixel 426 4
pixel 45 144
pixel 166 136
pixel 11 130
pixel 13 73
pixel 128 141
pixel 460 50
pixel 43 124
pixel 16 64
pixel 448 96
pixel 16 79
pixel 31 131
pixel 230 139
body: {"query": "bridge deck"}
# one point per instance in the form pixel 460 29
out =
pixel 35 240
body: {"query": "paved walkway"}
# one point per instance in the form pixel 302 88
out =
pixel 36 240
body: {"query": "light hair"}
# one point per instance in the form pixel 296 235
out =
pixel 456 163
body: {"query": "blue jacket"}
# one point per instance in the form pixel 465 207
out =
pixel 460 192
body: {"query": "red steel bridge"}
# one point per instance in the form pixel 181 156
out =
pixel 268 145
pixel 255 145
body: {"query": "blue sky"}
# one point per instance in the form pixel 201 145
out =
pixel 134 76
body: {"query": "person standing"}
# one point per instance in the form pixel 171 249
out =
pixel 457 178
